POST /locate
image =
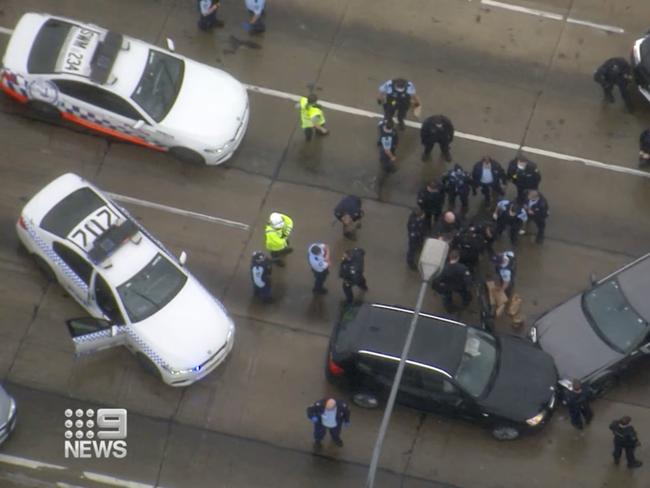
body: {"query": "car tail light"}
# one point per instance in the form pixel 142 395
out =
pixel 21 222
pixel 334 368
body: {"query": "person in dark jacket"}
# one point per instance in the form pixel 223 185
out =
pixel 615 72
pixel 577 400
pixel 456 182
pixel 512 215
pixel 416 229
pixel 470 242
pixel 328 414
pixel 349 213
pixel 387 143
pixel 625 438
pixel 525 175
pixel 351 272
pixel 454 278
pixel 431 199
pixel 489 176
pixel 537 210
pixel 436 129
pixel 447 227
pixel 644 148
pixel 261 267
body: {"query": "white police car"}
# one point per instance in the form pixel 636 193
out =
pixel 124 88
pixel 137 293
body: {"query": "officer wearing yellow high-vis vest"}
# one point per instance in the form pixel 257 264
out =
pixel 278 229
pixel 311 117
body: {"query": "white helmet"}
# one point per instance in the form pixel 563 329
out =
pixel 276 220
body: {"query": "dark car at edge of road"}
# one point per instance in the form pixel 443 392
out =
pixel 597 335
pixel 7 415
pixel 502 382
pixel 641 65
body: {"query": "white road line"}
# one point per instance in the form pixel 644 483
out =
pixel 463 135
pixel 4 30
pixel 179 211
pixel 110 480
pixel 551 15
pixel 524 10
pixel 608 28
pixel 27 463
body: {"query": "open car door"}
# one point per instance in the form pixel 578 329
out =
pixel 90 334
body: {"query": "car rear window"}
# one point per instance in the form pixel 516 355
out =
pixel 346 332
pixel 47 45
pixel 66 214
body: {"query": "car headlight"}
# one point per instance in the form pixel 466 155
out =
pixel 220 149
pixel 537 419
pixel 532 334
pixel 231 333
pixel 12 408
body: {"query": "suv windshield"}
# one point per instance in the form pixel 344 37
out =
pixel 612 316
pixel 477 363
pixel 151 288
pixel 160 83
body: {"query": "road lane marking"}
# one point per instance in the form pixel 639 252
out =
pixel 463 135
pixel 523 10
pixel 27 463
pixel 110 480
pixel 552 16
pixel 179 211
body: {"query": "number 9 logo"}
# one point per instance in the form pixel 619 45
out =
pixel 113 419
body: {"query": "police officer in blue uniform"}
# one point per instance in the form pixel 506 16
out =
pixel 456 182
pixel 397 96
pixel 351 272
pixel 537 210
pixel 615 72
pixel 489 176
pixel 208 14
pixel 505 266
pixel 261 276
pixel 387 143
pixel 525 175
pixel 416 228
pixel 436 129
pixel 512 215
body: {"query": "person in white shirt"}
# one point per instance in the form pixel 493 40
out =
pixel 256 11
pixel 318 255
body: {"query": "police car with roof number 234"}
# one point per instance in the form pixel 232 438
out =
pixel 124 88
pixel 137 293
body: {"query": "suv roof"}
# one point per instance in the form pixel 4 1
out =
pixel 437 342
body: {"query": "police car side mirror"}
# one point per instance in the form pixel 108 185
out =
pixel 170 45
pixel 182 258
pixel 138 125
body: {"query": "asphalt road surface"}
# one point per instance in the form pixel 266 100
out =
pixel 511 77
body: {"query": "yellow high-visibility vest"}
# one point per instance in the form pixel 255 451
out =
pixel 308 113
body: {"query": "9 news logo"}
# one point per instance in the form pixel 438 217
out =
pixel 90 434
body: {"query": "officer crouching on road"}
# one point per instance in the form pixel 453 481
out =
pixel 456 182
pixel 510 214
pixel 349 212
pixel 537 210
pixel 525 175
pixel 470 242
pixel 397 96
pixel 454 278
pixel 417 230
pixel 489 176
pixel 261 276
pixel 351 272
pixel 436 129
pixel 387 143
pixel 615 71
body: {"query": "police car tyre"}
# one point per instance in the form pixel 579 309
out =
pixel 45 269
pixel 45 110
pixel 187 155
pixel 600 387
pixel 505 433
pixel 148 365
pixel 365 400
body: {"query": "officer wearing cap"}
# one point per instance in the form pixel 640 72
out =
pixel 397 96
pixel 456 182
pixel 261 276
pixel 351 272
pixel 278 229
pixel 387 143
pixel 525 175
pixel 318 255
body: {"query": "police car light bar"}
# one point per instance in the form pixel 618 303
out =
pixel 111 240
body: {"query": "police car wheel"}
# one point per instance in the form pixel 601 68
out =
pixel 187 155
pixel 45 110
pixel 365 400
pixel 45 269
pixel 148 364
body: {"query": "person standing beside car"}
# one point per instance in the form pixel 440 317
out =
pixel 577 400
pixel 625 438
pixel 261 276
pixel 319 262
pixel 330 415
pixel 615 71
pixel 351 272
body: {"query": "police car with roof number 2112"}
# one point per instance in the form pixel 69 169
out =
pixel 137 293
pixel 124 88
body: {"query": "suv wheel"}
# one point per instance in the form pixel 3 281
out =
pixel 187 155
pixel 602 385
pixel 365 400
pixel 505 433
pixel 148 365
pixel 44 110
pixel 45 269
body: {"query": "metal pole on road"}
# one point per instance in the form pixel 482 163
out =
pixel 432 259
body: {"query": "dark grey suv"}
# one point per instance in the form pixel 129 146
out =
pixel 7 415
pixel 502 382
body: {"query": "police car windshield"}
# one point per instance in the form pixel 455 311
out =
pixel 151 288
pixel 612 316
pixel 477 363
pixel 47 45
pixel 160 83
